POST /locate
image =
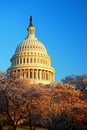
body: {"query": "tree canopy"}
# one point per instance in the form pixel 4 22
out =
pixel 54 106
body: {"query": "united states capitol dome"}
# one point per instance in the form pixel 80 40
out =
pixel 31 60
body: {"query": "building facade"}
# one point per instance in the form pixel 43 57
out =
pixel 31 60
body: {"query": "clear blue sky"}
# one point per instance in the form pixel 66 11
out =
pixel 61 25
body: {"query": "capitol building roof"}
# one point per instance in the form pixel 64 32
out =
pixel 31 59
pixel 31 44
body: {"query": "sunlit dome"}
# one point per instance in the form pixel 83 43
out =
pixel 31 59
pixel 30 45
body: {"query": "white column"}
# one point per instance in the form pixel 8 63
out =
pixel 45 75
pixel 48 75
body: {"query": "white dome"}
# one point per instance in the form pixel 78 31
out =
pixel 31 61
pixel 30 44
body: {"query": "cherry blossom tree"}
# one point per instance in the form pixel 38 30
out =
pixel 79 81
pixel 37 104
pixel 12 103
pixel 57 105
pixel 68 109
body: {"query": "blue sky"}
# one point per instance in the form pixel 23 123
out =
pixel 61 25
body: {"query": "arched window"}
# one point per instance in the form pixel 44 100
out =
pixel 30 60
pixel 24 60
pixel 27 60
pixel 17 61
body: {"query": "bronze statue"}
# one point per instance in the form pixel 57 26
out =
pixel 31 21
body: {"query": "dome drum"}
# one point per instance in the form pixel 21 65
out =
pixel 38 75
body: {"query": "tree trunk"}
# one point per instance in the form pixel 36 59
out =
pixel 34 127
pixel 14 127
pixel 30 124
pixel 30 127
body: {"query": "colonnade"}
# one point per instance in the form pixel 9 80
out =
pixel 37 74
pixel 22 61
